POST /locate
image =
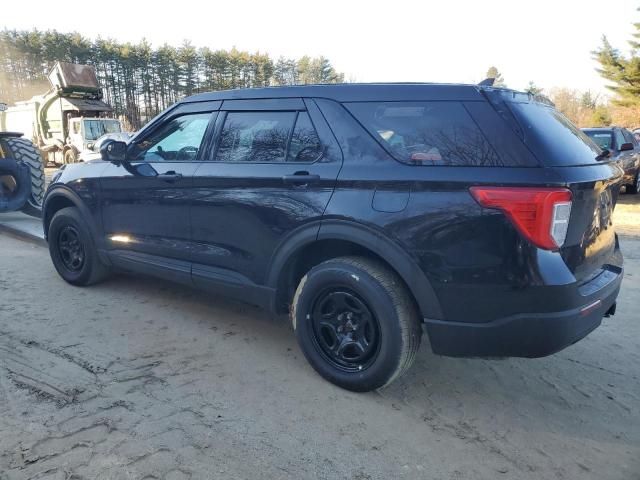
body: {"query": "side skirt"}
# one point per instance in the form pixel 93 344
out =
pixel 218 280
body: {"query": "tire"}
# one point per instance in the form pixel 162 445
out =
pixel 66 231
pixel 25 152
pixel 635 188
pixel 329 297
pixel 70 156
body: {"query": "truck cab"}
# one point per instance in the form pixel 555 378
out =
pixel 83 132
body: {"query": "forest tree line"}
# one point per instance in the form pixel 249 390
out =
pixel 139 80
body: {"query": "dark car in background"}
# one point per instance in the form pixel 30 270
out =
pixel 623 148
pixel 367 212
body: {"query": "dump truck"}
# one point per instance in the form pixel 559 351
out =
pixel 66 121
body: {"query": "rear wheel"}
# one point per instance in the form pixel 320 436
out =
pixel 356 323
pixel 72 249
pixel 635 188
pixel 26 152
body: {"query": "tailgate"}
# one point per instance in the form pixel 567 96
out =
pixel 591 244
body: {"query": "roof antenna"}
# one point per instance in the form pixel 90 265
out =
pixel 487 82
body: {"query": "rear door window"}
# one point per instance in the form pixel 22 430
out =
pixel 305 145
pixel 259 137
pixel 426 133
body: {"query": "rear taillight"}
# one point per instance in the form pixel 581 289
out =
pixel 540 214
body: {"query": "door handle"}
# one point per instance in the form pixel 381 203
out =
pixel 301 178
pixel 170 176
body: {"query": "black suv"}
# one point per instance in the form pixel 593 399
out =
pixel 366 211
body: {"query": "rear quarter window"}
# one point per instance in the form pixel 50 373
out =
pixel 554 140
pixel 426 133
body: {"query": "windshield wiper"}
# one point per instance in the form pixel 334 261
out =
pixel 604 154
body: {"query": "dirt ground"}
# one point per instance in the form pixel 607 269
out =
pixel 137 378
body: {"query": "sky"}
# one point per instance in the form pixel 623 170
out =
pixel 544 41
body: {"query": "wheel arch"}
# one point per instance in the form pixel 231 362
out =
pixel 317 243
pixel 61 197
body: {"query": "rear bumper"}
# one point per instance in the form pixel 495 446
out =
pixel 524 335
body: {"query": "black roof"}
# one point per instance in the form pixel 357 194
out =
pixel 345 92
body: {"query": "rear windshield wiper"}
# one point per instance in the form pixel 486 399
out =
pixel 604 154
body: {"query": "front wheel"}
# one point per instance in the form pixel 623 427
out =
pixel 356 323
pixel 70 156
pixel 72 249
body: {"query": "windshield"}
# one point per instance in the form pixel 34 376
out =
pixel 603 139
pixel 94 129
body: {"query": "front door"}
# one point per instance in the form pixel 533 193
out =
pixel 272 170
pixel 146 200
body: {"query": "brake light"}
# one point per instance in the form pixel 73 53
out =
pixel 540 214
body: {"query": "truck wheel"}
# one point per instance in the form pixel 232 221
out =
pixel 25 152
pixel 70 156
pixel 356 323
pixel 72 249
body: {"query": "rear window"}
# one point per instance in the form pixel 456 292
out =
pixel 604 140
pixel 426 133
pixel 552 137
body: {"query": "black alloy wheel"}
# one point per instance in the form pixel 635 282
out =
pixel 345 331
pixel 71 249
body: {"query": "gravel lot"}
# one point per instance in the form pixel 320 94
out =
pixel 138 378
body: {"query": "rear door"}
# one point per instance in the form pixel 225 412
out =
pixel 145 201
pixel 270 171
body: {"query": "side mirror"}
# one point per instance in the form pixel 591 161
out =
pixel 625 147
pixel 3 107
pixel 113 151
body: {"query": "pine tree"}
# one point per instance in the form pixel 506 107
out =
pixel 533 89
pixel 622 71
pixel 139 81
pixel 497 76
